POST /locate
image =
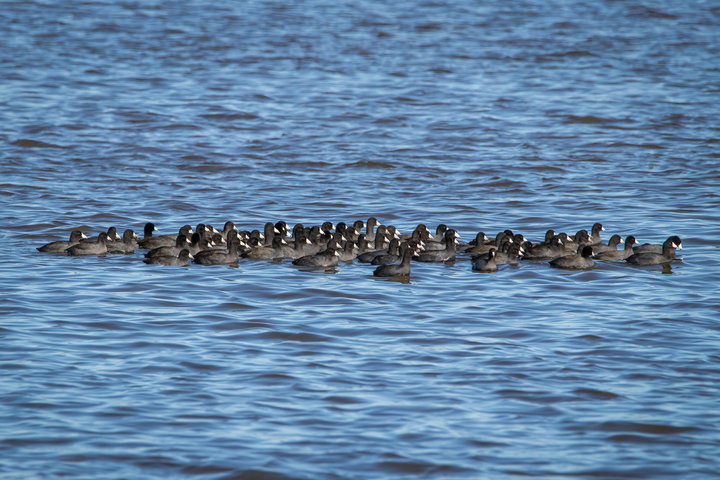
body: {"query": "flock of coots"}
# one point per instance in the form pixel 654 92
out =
pixel 323 246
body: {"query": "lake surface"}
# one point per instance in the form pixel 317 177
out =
pixel 484 116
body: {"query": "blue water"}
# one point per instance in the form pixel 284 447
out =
pixel 524 115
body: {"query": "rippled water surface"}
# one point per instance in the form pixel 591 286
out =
pixel 482 115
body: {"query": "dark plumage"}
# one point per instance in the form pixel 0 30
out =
pixel 510 255
pixel 61 245
pixel 220 257
pixel 390 258
pixel 445 255
pixel 326 258
pixel 657 248
pixel 96 247
pixel 181 242
pixel 126 246
pixel 617 255
pixel 397 269
pixel 595 233
pixel 485 263
pixel 577 261
pixel 652 258
pixel 179 260
pixel 370 226
pixel 612 244
pixel 553 249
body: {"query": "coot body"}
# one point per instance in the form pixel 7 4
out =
pixel 485 263
pixel 61 245
pixel 575 262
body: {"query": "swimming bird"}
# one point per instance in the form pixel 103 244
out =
pixel 445 255
pixel 573 244
pixel 612 244
pixel 392 249
pixel 401 269
pixel 181 242
pixel 96 247
pixel 652 258
pixel 657 248
pixel 391 258
pixel 299 248
pixel 370 227
pixel 220 257
pixel 478 242
pixel 485 246
pixel 149 241
pixel 126 246
pixel 61 245
pixel 267 252
pixel 553 249
pixel 617 255
pixel 179 260
pixel 509 256
pixel 326 258
pixel 577 261
pixel 485 263
pixel 595 233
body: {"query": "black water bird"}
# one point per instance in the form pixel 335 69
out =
pixel 653 258
pixel 485 263
pixel 126 245
pixel 179 260
pixel 91 247
pixel 61 246
pixel 576 261
pixel 617 255
pixel 401 269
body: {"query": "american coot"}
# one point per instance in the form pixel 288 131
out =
pixel 612 244
pixel 445 255
pixel 181 260
pixel 353 232
pixel 401 269
pixel 554 249
pixel 595 233
pixel 220 257
pixel 265 252
pixel 437 241
pixel 572 245
pixel 392 249
pixel 390 259
pixel 485 247
pixel 326 258
pixel 480 244
pixel 97 247
pixel 380 248
pixel 198 243
pixel 298 249
pixel 61 245
pixel 617 255
pixel 281 228
pixel 126 246
pixel 485 263
pixel 181 242
pixel 348 252
pixel 549 235
pixel 510 255
pixel 269 233
pixel 575 262
pixel 652 258
pixel 657 248
pixel 228 230
pixel 149 241
pixel 370 226
pixel 440 231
